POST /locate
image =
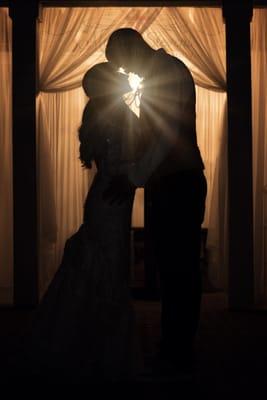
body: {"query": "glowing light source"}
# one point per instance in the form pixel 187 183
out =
pixel 122 71
pixel 132 99
pixel 135 81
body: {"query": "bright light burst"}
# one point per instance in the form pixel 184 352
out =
pixel 122 71
pixel 135 81
pixel 132 99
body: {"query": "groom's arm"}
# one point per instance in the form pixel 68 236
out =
pixel 162 117
pixel 141 170
pixel 156 125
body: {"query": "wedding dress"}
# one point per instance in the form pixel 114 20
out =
pixel 85 323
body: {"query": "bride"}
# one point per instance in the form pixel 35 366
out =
pixel 85 323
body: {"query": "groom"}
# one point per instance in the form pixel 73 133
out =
pixel 177 187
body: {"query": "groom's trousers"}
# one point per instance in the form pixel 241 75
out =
pixel 177 212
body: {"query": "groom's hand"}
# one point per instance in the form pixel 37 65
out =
pixel 119 190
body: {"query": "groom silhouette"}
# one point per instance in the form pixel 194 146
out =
pixel 176 188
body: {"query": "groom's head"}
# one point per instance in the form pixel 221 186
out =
pixel 126 48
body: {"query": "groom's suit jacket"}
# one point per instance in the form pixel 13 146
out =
pixel 168 116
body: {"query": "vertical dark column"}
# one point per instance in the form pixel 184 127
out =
pixel 150 265
pixel 237 15
pixel 24 14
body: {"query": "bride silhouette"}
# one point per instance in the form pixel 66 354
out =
pixel 85 323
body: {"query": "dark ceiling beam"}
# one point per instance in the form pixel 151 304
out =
pixel 155 3
pixel 260 3
pixel 129 3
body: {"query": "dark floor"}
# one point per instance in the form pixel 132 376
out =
pixel 231 347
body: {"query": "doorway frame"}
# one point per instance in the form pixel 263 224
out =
pixel 241 291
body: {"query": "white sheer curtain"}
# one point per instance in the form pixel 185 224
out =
pixel 259 96
pixel 197 35
pixel 212 139
pixel 6 197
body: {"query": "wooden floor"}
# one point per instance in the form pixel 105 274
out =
pixel 231 347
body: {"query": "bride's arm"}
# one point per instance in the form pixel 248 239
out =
pixel 90 135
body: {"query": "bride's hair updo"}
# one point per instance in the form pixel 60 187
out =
pixel 104 80
pixel 101 83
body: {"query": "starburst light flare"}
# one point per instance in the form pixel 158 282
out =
pixel 132 99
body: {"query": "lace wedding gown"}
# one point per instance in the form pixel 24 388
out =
pixel 85 323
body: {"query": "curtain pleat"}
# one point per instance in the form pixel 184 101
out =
pixel 197 35
pixel 68 37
